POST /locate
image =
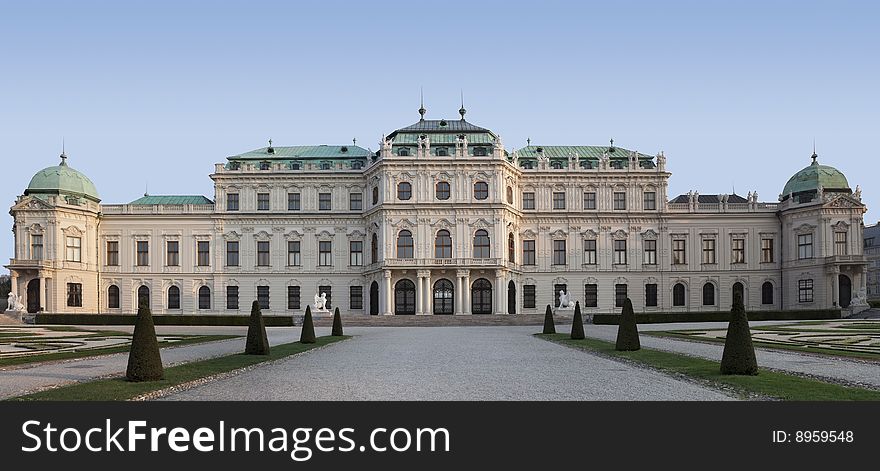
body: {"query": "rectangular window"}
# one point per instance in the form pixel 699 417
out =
pixel 113 253
pixel 232 253
pixel 619 201
pixel 766 250
pixel 143 253
pixel 805 246
pixel 738 251
pixel 74 294
pixel 528 252
pixel 356 253
pixel 329 292
pixel 325 253
pixel 559 257
pixel 651 295
pixel 262 201
pixel 293 298
pixel 620 252
pixel 529 296
pixel 203 249
pixel 559 200
pixel 650 201
pixel 74 249
pixel 679 252
pixel 324 203
pixel 293 255
pixel 590 200
pixel 556 290
pixel 232 201
pixel 708 251
pixel 840 243
pixel 619 295
pixel 591 295
pixel 232 298
pixel 528 200
pixel 650 252
pixel 355 201
pixel 37 248
pixel 262 253
pixel 263 297
pixel 172 253
pixel 805 291
pixel 356 298
pixel 293 200
pixel 590 252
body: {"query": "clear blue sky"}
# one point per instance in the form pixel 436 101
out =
pixel 152 91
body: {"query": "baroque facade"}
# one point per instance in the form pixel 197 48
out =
pixel 442 219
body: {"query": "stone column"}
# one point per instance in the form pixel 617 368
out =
pixel 13 278
pixel 419 299
pixel 501 292
pixel 465 291
pixel 458 294
pixel 429 294
pixel 42 292
pixel 835 288
pixel 387 294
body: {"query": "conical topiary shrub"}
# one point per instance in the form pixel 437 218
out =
pixel 337 324
pixel 627 330
pixel 739 354
pixel 577 324
pixel 549 325
pixel 308 329
pixel 257 341
pixel 144 361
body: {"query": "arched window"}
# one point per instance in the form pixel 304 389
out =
pixel 443 297
pixel 404 191
pixel 357 165
pixel 374 248
pixel 375 195
pixel 557 165
pixel 204 297
pixel 767 293
pixel 481 190
pixel 404 298
pixel 404 244
pixel 443 244
pixel 481 297
pixel 738 292
pixel 144 296
pixel 511 248
pixel 708 294
pixel 678 298
pixel 441 190
pixel 403 152
pixel 173 297
pixel 442 152
pixel 113 297
pixel 509 195
pixel 481 244
pixel 527 165
pixel 374 299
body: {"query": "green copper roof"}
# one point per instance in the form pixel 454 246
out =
pixel 446 138
pixel 304 152
pixel 813 176
pixel 62 180
pixel 170 199
pixel 584 152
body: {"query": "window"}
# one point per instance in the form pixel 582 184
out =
pixel 263 297
pixel 805 291
pixel 619 295
pixel 619 201
pixel 651 295
pixel 708 251
pixel 678 298
pixel 293 300
pixel 481 244
pixel 442 152
pixel 232 201
pixel 511 248
pixel 556 290
pixel 738 251
pixel 325 253
pixel 144 296
pixel 295 166
pixel 559 200
pixel 590 252
pixel 357 165
pixel 37 247
pixel 112 253
pixel 172 253
pixel 328 290
pixel 74 249
pixel 203 249
pixel 767 293
pixel 404 191
pixel 293 202
pixel 528 165
pixel 262 253
pixel 403 152
pixel 528 200
pixel 480 152
pixel 650 201
pixel 708 294
pixel 404 244
pixel 766 250
pixel 113 297
pixel 650 252
pixel 443 244
pixel 620 252
pixel 232 253
pixel 232 298
pixel 262 201
pixel 591 295
pixel 293 254
pixel 355 201
pixel 528 252
pixel 204 297
pixel 325 165
pixel 679 252
pixel 265 165
pixel 556 165
pixel 840 243
pixel 481 190
pixel 441 190
pixel 805 246
pixel 143 253
pixel 559 253
pixel 74 294
pixel 590 200
pixel 356 298
pixel 529 296
pixel 509 195
pixel 375 195
pixel 356 253
pixel 324 203
pixel 374 248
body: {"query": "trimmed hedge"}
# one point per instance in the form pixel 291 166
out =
pixel 720 316
pixel 166 319
pixel 144 360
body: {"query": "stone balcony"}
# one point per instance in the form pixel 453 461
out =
pixel 444 263
pixel 722 208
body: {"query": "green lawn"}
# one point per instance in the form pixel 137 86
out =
pixel 118 389
pixel 766 383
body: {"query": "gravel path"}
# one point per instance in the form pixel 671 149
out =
pixel 448 363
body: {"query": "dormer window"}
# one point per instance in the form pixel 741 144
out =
pixel 617 164
pixel 325 165
pixel 403 152
pixel 442 152
pixel 357 165
pixel 235 166
pixel 586 164
pixel 265 165
pixel 295 166
pixel 527 165
pixel 480 152
pixel 556 165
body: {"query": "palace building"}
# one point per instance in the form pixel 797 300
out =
pixel 442 219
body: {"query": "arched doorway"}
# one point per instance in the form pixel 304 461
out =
pixel 404 298
pixel 143 296
pixel 739 292
pixel 33 296
pixel 374 299
pixel 678 295
pixel 443 297
pixel 845 291
pixel 511 297
pixel 481 297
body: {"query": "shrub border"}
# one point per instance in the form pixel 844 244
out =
pixel 161 319
pixel 719 316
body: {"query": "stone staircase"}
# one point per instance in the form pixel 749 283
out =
pixel 435 320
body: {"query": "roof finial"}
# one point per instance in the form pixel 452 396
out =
pixel 147 188
pixel 422 109
pixel 461 110
pixel 528 141
pixel 63 154
pixel 814 156
pixel 354 141
pixel 270 149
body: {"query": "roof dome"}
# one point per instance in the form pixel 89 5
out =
pixel 62 180
pixel 814 176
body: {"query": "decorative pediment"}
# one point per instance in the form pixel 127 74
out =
pixel 73 231
pixel 356 235
pixel 232 236
pixel 840 226
pixel 32 203
pixel 404 223
pixel 620 280
pixel 560 281
pixel 591 281
pixel 804 229
pixel 444 176
pixel 589 234
pixel 619 234
pixel 528 234
pixel 649 235
pixel 262 235
pixel 558 234
pixel 442 223
pixel 481 176
pixel 481 224
pixel 36 229
pixel 844 201
pixel 324 235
